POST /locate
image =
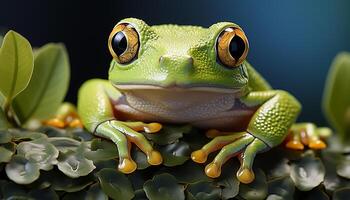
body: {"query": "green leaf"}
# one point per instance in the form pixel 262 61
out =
pixel 22 171
pixel 308 172
pixel 48 86
pixel 102 150
pixel 40 152
pixel 228 180
pixel 45 194
pixel 4 124
pixel 61 182
pixel 95 193
pixel 341 194
pixel 16 65
pixel 189 172
pixel 74 164
pixel 164 187
pixel 6 152
pixel 203 191
pixel 64 144
pixel 255 190
pixel 336 98
pixel 168 134
pixel 282 188
pixel 19 135
pixel 10 190
pixel 175 154
pixel 115 184
pixel 343 167
pixel 140 158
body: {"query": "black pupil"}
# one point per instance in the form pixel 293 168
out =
pixel 119 43
pixel 237 47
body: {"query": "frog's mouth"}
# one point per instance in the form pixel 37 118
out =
pixel 147 98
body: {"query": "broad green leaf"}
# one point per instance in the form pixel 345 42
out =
pixel 48 86
pixel 203 191
pixel 74 164
pixel 308 172
pixel 16 65
pixel 46 193
pixel 175 154
pixel 189 172
pixel 255 190
pixel 6 152
pixel 10 190
pixel 164 187
pixel 102 150
pixel 140 158
pixel 64 144
pixel 39 151
pixel 228 180
pixel 95 193
pixel 115 184
pixel 343 167
pixel 22 171
pixel 336 98
pixel 168 134
pixel 61 182
pixel 3 120
pixel 5 137
pixel 18 135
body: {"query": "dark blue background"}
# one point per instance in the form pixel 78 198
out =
pixel 292 42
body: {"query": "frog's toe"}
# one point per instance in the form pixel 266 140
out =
pixel 213 169
pixel 76 123
pixel 55 122
pixel 317 144
pixel 127 165
pixel 245 173
pixel 200 156
pixel 295 144
pixel 140 126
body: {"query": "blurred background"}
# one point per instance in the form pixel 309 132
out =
pixel 292 42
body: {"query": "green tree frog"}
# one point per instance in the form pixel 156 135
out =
pixel 193 75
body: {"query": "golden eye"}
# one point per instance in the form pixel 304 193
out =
pixel 232 47
pixel 123 43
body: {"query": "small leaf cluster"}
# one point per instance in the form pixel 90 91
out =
pixel 32 85
pixel 72 163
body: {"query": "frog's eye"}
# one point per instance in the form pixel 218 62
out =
pixel 232 47
pixel 123 43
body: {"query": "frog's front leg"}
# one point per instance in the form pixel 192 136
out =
pixel 95 108
pixel 267 128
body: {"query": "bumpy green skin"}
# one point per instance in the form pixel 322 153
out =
pixel 164 60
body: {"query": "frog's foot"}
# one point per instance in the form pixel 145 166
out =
pixel 123 134
pixel 307 134
pixel 66 116
pixel 242 143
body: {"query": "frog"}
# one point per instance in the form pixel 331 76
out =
pixel 183 74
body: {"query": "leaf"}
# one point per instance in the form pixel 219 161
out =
pixel 4 124
pixel 40 152
pixel 61 182
pixel 308 172
pixel 22 171
pixel 343 167
pixel 189 172
pixel 341 194
pixel 168 134
pixel 140 158
pixel 203 191
pixel 6 152
pixel 19 135
pixel 5 137
pixel 102 150
pixel 336 98
pixel 175 154
pixel 228 180
pixel 10 190
pixel 255 190
pixel 64 144
pixel 95 193
pixel 16 65
pixel 74 164
pixel 48 86
pixel 164 187
pixel 115 184
pixel 282 188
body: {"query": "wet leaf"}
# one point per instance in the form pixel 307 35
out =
pixel 22 171
pixel 282 188
pixel 343 168
pixel 6 152
pixel 5 137
pixel 168 134
pixel 40 152
pixel 341 194
pixel 64 144
pixel 44 194
pixel 175 154
pixel 140 195
pixel 102 150
pixel 189 172
pixel 204 191
pixel 257 189
pixel 115 184
pixel 228 180
pixel 140 158
pixel 335 104
pixel 4 124
pixel 164 187
pixel 10 190
pixel 74 164
pixel 95 193
pixel 16 65
pixel 61 182
pixel 40 100
pixel 307 173
pixel 19 135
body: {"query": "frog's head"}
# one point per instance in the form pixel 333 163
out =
pixel 172 56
